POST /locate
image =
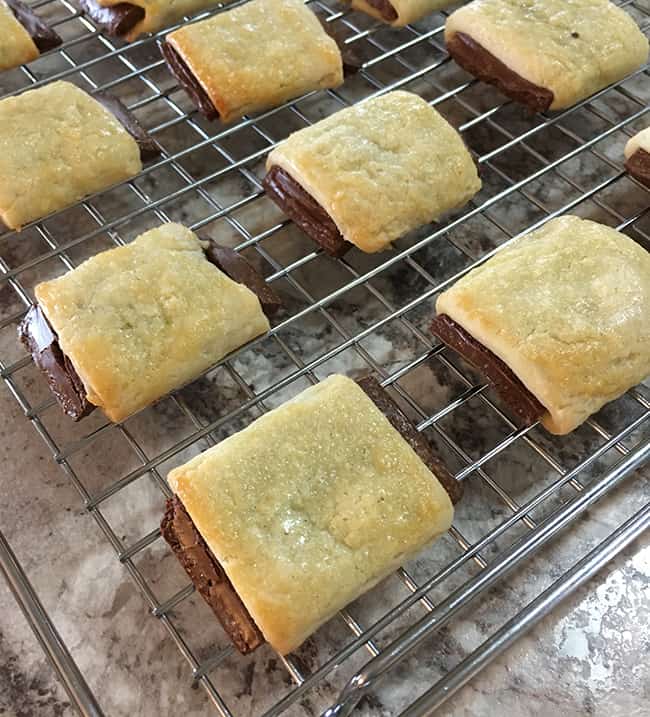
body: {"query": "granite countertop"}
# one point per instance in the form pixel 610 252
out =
pixel 590 657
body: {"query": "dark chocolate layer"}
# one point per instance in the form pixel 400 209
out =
pixel 513 392
pixel 117 20
pixel 209 577
pixel 41 33
pixel 188 81
pixel 148 148
pixel 339 32
pixel 401 423
pixel 638 165
pixel 305 211
pixel 239 270
pixel 481 63
pixel 39 339
pixel 204 569
pixel 384 8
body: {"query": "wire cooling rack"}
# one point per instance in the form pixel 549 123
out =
pixel 360 313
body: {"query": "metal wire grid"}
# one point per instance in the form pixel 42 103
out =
pixel 503 141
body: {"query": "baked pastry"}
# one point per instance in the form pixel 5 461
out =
pixel 370 173
pixel 136 17
pixel 133 323
pixel 559 321
pixel 253 57
pixel 57 145
pixel 399 12
pixel 286 522
pixel 637 156
pixel 546 54
pixel 24 35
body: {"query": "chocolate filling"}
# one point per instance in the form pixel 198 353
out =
pixel 148 147
pixel 513 392
pixel 209 577
pixel 117 20
pixel 385 9
pixel 411 435
pixel 481 63
pixel 638 165
pixel 39 339
pixel 305 211
pixel 188 82
pixel 43 36
pixel 352 62
pixel 239 270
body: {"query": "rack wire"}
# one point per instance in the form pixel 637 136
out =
pixel 359 313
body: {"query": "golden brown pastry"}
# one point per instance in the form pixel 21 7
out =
pixel 139 321
pixel 566 309
pixel 57 145
pixel 377 170
pixel 311 506
pixel 399 12
pixel 256 56
pixel 547 54
pixel 16 44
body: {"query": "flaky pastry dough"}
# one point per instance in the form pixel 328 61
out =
pixel 572 47
pixel 381 168
pixel 16 44
pixel 57 145
pixel 141 320
pixel 567 308
pixel 408 11
pixel 259 55
pixel 310 506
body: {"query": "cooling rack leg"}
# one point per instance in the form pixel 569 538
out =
pixel 541 606
pixel 50 640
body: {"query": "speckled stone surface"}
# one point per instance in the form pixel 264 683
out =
pixel 588 658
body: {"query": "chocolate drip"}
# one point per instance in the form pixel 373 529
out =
pixel 239 270
pixel 188 82
pixel 385 9
pixel 148 147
